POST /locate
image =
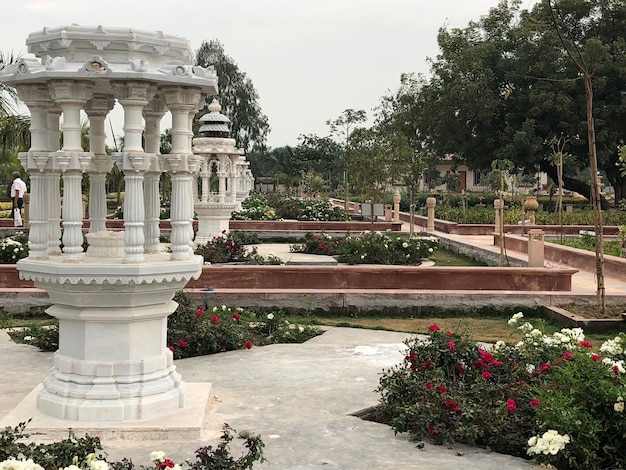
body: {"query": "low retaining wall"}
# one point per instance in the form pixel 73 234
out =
pixel 383 277
pixel 558 255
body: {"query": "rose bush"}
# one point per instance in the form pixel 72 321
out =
pixel 550 397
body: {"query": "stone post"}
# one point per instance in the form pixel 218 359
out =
pixel 497 205
pixel 396 206
pixel 536 248
pixel 430 205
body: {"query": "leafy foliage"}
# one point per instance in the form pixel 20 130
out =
pixel 196 330
pixel 14 248
pixel 226 248
pixel 85 453
pixel 237 96
pixel 370 248
pixel 450 389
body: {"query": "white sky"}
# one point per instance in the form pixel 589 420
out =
pixel 308 59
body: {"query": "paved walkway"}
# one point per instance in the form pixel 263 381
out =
pixel 299 397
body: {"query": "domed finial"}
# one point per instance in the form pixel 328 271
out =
pixel 215 106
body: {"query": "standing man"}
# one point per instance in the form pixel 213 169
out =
pixel 18 189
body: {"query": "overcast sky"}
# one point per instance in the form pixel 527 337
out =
pixel 308 59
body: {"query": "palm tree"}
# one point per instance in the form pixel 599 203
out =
pixel 14 128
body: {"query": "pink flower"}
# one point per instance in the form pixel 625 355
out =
pixel 535 403
pixel 428 364
pixel 496 363
pixel 486 375
pixel 429 385
pixel 567 356
pixel 595 357
pixel 451 345
pixel 585 344
pixel 449 334
pixel 616 369
pixel 236 316
pixel 544 367
pixel 247 345
pixel 511 406
pixel 215 319
pixel 434 328
pixel 182 343
pixel 442 389
pixel 171 348
pixel 485 356
pixel 200 311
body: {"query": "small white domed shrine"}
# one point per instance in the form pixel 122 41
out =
pixel 112 301
pixel 224 164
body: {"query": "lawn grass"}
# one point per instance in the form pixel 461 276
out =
pixel 445 257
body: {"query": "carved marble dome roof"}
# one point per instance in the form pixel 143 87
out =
pixel 214 123
pixel 103 54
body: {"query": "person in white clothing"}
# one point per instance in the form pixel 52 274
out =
pixel 18 189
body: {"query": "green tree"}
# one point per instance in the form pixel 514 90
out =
pixel 321 155
pixel 342 127
pixel 504 85
pixel 237 96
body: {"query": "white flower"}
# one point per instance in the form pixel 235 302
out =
pixel 515 318
pixel 619 405
pixel 14 464
pixel 405 245
pixel 98 465
pixel 536 333
pixel 270 316
pixel 525 328
pixel 430 250
pixel 530 368
pixel 157 456
pixel 301 329
pixel 28 338
pixel 551 442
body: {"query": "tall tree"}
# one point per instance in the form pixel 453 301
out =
pixel 321 155
pixel 342 127
pixel 503 86
pixel 237 96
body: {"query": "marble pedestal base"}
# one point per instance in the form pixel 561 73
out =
pixel 113 364
pixel 213 219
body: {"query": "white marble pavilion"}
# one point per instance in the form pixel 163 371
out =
pixel 113 300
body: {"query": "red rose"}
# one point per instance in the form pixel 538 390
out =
pixel 585 344
pixel 429 385
pixel 236 316
pixel 451 345
pixel 511 406
pixel 535 403
pixel 247 345
pixel 215 319
pixel 486 375
pixel 171 348
pixel 434 327
pixel 182 343
pixel 595 357
pixel 200 311
pixel 567 356
pixel 442 389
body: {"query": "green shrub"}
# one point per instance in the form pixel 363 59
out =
pixel 14 248
pixel 226 248
pixel 195 330
pixel 548 397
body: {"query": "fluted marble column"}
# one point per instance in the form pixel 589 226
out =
pixel 134 162
pixel 181 101
pixel 52 183
pixel 36 161
pixel 97 109
pixel 153 113
pixel 72 95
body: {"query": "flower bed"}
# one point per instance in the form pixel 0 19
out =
pixel 554 397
